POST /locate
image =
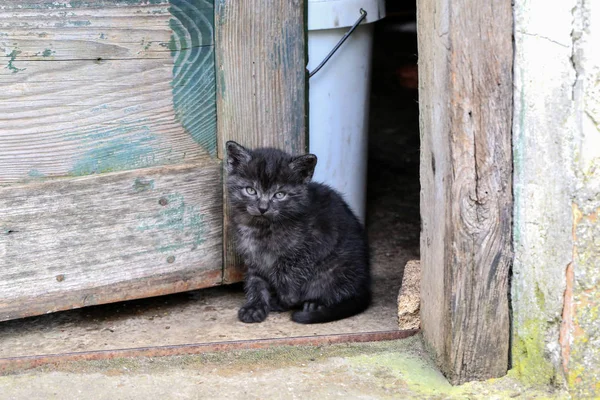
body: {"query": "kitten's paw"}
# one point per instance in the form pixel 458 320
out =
pixel 250 314
pixel 311 306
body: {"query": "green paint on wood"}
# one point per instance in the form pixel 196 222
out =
pixel 64 4
pixel 174 220
pixel 143 184
pixel 47 53
pixel 79 23
pixel 34 173
pixel 193 82
pixel 105 3
pixel 10 66
pixel 118 154
pixel 145 45
pixel 222 87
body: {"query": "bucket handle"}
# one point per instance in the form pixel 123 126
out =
pixel 363 15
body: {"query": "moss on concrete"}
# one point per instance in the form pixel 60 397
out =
pixel 419 375
pixel 274 357
pixel 530 364
pixel 393 369
pixel 583 366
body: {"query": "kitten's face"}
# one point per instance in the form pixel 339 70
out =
pixel 267 185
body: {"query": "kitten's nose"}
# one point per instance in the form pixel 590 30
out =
pixel 263 208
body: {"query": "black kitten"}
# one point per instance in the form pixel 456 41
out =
pixel 303 246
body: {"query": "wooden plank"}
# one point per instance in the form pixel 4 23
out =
pixel 261 82
pixel 101 86
pixel 81 241
pixel 465 100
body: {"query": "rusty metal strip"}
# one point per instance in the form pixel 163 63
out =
pixel 14 364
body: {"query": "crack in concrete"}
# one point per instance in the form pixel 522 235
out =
pixel 566 46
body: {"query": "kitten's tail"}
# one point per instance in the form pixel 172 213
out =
pixel 345 309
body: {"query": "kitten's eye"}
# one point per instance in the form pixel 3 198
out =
pixel 279 195
pixel 250 191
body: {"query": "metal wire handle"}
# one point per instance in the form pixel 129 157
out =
pixel 363 15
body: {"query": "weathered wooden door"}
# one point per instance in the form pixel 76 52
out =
pixel 110 178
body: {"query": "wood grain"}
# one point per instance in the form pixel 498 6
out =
pixel 101 86
pixel 465 98
pixel 80 241
pixel 261 82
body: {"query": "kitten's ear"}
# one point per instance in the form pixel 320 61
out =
pixel 305 166
pixel 236 155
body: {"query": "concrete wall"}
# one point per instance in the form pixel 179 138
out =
pixel 556 274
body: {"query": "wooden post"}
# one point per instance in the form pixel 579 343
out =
pixel 261 82
pixel 465 98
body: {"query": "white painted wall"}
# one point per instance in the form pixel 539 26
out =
pixel 556 136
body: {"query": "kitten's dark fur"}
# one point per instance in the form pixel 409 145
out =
pixel 303 246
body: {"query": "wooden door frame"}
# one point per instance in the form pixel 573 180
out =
pixel 262 84
pixel 465 106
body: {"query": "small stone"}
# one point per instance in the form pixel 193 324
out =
pixel 409 297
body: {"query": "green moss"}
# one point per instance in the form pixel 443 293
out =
pixel 540 298
pixel 417 373
pixel 399 369
pixel 530 365
pixel 268 358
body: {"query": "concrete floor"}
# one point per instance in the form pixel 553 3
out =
pixel 383 370
pixel 198 317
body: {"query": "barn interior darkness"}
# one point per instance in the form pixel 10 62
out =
pixel 210 315
pixel 393 219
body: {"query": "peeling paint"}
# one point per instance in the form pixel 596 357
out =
pixel 10 66
pixel 117 154
pixel 193 83
pixel 34 173
pixel 142 184
pixel 178 217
